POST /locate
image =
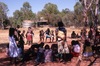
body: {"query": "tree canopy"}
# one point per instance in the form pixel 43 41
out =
pixel 3 13
pixel 86 12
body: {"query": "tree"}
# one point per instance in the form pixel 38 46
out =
pixel 3 13
pixel 27 12
pixel 18 17
pixel 78 13
pixel 12 21
pixel 64 11
pixel 67 17
pixel 93 6
pixel 48 12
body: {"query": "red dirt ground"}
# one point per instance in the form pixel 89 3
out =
pixel 4 60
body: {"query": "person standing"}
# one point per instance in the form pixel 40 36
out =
pixel 61 39
pixel 48 34
pixel 21 44
pixel 13 49
pixel 52 36
pixel 29 37
pixel 41 35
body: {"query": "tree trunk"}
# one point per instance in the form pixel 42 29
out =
pixel 96 14
pixel 85 20
pixel 2 25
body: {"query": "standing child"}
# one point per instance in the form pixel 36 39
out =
pixel 29 37
pixel 41 35
pixel 21 44
pixel 52 35
pixel 13 49
pixel 48 34
pixel 23 34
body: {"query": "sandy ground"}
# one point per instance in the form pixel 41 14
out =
pixel 4 61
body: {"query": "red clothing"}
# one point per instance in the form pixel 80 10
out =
pixel 75 54
pixel 29 37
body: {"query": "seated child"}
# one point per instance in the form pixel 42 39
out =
pixel 55 54
pixel 47 54
pixel 75 48
pixel 87 49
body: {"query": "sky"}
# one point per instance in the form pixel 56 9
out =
pixel 38 5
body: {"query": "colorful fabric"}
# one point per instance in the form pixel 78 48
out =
pixel 48 54
pixel 13 50
pixel 62 48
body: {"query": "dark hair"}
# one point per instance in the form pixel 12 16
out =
pixel 23 30
pixel 41 44
pixel 77 42
pixel 60 24
pixel 73 42
pixel 11 32
pixel 29 27
pixel 18 26
pixel 19 32
pixel 47 47
pixel 54 46
pixel 87 43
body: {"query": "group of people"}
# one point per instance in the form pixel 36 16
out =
pixel 60 51
pixel 16 44
pixel 15 49
pixel 91 41
pixel 44 53
pixel 48 34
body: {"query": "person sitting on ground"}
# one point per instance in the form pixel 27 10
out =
pixel 47 54
pixel 55 54
pixel 40 54
pixel 73 35
pixel 75 48
pixel 87 49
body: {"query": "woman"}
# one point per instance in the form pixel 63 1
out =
pixel 63 49
pixel 13 49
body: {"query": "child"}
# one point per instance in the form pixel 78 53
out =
pixel 41 35
pixel 47 54
pixel 23 34
pixel 55 54
pixel 29 37
pixel 87 49
pixel 75 48
pixel 73 35
pixel 48 34
pixel 40 54
pixel 52 35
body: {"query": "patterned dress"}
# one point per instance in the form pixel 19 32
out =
pixel 13 50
